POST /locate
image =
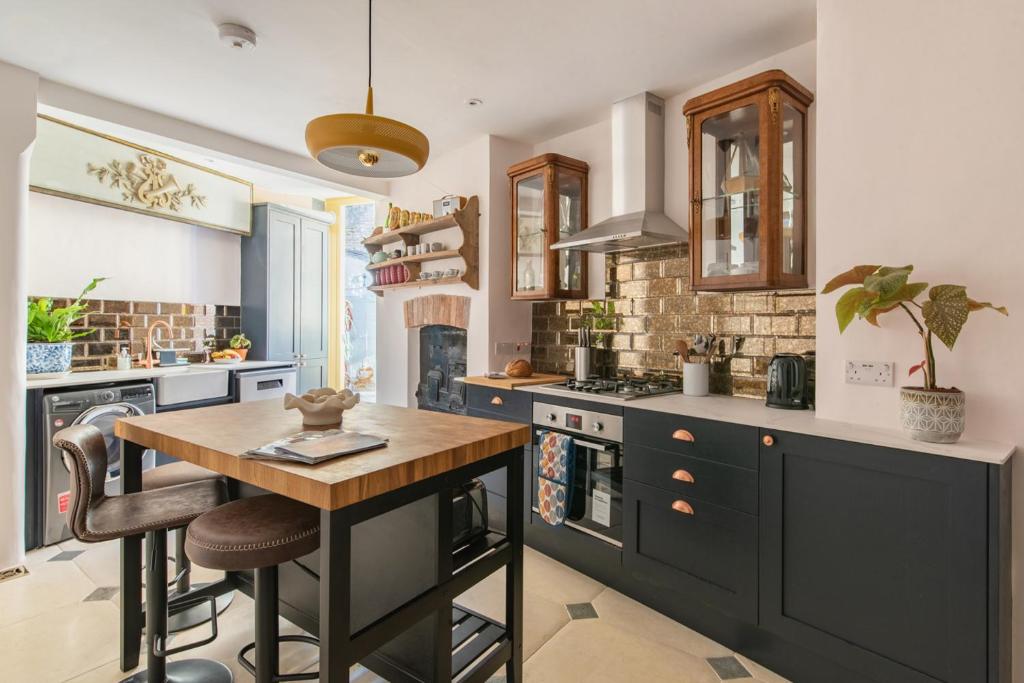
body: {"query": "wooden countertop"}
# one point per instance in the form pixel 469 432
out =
pixel 513 382
pixel 423 444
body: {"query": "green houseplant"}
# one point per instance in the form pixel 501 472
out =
pixel 929 412
pixel 240 344
pixel 50 332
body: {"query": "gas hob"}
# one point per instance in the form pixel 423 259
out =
pixel 621 388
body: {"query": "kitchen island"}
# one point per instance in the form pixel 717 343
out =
pixel 371 500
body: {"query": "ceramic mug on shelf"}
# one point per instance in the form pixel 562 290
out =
pixel 436 246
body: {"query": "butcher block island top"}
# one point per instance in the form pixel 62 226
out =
pixel 421 445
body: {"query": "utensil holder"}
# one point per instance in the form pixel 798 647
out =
pixel 695 378
pixel 583 362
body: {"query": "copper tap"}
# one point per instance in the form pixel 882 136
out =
pixel 149 341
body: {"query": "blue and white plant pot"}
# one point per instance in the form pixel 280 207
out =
pixel 46 359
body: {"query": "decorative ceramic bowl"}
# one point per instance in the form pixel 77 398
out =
pixel 322 407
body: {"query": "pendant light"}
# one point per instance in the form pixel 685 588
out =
pixel 364 144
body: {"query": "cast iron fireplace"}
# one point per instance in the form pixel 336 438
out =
pixel 442 359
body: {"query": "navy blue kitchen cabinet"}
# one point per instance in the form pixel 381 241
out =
pixel 884 561
pixel 511 406
pixel 284 290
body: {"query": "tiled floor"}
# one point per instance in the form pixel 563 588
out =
pixel 60 623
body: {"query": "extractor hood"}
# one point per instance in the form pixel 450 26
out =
pixel 638 183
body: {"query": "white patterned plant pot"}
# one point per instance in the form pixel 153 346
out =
pixel 47 359
pixel 933 416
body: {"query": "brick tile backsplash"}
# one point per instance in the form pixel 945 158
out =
pixel 655 307
pixel 120 323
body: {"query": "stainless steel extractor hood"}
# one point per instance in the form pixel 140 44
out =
pixel 638 183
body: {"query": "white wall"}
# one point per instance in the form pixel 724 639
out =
pixel 919 161
pixel 476 168
pixel 17 133
pixel 593 144
pixel 146 258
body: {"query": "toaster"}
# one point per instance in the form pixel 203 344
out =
pixel 791 381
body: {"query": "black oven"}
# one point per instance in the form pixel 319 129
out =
pixel 596 503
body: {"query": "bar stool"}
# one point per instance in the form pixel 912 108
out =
pixel 174 474
pixel 258 533
pixel 94 517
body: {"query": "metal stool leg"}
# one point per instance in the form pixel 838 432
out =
pixel 268 640
pixel 158 670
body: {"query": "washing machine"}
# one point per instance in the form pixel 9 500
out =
pixel 100 408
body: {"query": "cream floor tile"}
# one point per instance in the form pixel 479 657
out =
pixel 59 644
pixel 101 562
pixel 542 618
pixel 759 672
pixel 551 579
pixel 73 544
pixel 590 650
pixel 615 609
pixel 48 585
pixel 40 555
pixel 107 673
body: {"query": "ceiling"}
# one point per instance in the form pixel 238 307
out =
pixel 542 67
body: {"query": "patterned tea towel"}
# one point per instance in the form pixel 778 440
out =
pixel 554 476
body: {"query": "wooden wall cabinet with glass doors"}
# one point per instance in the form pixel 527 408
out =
pixel 748 184
pixel 549 203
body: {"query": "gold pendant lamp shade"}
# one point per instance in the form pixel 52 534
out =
pixel 365 144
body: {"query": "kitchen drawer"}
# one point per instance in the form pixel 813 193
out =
pixel 725 442
pixel 684 475
pixel 708 554
pixel 507 404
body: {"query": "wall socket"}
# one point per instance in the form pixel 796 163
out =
pixel 872 373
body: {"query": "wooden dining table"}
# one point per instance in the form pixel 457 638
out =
pixel 428 455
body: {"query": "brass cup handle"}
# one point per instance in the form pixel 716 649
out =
pixel 496 401
pixel 683 475
pixel 683 435
pixel 682 506
pixel 768 440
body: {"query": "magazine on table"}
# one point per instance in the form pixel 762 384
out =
pixel 314 447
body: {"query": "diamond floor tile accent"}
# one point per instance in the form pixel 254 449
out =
pixel 728 668
pixel 101 593
pixel 581 610
pixel 65 555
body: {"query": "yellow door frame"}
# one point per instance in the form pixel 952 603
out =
pixel 335 283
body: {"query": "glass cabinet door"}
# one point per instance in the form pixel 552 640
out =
pixel 570 201
pixel 530 243
pixel 730 202
pixel 793 222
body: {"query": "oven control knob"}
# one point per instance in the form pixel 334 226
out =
pixel 598 426
pixel 107 396
pixel 551 417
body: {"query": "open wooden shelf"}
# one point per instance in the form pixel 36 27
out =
pixel 380 289
pixel 468 222
pixel 418 258
pixel 416 230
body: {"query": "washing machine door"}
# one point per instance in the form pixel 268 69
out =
pixel 103 418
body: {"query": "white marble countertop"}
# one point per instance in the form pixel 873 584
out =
pixel 105 376
pixel 753 412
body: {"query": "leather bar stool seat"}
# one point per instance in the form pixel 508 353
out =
pixel 175 473
pixel 94 516
pixel 258 533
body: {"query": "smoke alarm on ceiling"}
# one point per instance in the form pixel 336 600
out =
pixel 237 37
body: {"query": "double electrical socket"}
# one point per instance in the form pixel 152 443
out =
pixel 872 373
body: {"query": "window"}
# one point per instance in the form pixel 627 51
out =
pixel 359 324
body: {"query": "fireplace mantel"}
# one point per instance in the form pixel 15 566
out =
pixel 437 309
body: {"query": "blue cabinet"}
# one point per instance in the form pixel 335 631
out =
pixel 284 289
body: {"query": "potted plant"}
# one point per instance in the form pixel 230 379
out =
pixel 50 333
pixel 929 412
pixel 240 344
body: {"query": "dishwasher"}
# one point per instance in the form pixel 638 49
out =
pixel 260 385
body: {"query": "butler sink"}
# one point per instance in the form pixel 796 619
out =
pixel 191 384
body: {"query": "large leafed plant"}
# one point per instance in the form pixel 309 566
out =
pixel 47 324
pixel 876 290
